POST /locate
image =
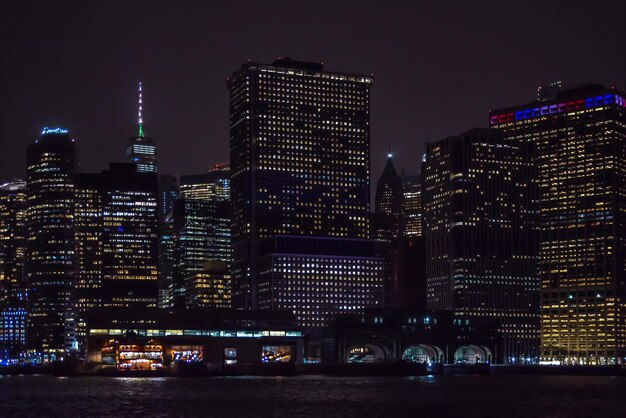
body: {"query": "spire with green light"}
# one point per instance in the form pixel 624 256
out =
pixel 140 115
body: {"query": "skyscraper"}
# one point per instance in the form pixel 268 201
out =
pixel 387 228
pixel 129 237
pixel 168 193
pixel 413 210
pixel 115 223
pixel 299 140
pixel 390 198
pixel 50 268
pixel 141 151
pixel 202 222
pixel 580 136
pixel 88 224
pixel 480 208
pixel 212 186
pixel 12 258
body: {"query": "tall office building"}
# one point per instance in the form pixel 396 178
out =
pixel 481 237
pixel 202 223
pixel 88 226
pixel 413 210
pixel 386 228
pixel 580 136
pixel 12 259
pixel 129 237
pixel 168 193
pixel 212 186
pixel 115 224
pixel 50 264
pixel 141 150
pixel 299 141
pixel 389 200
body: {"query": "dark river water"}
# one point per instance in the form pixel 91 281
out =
pixel 459 396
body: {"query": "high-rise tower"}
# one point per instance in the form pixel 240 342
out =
pixel 202 223
pixel 580 136
pixel 12 258
pixel 389 204
pixel 141 151
pixel 50 264
pixel 299 141
pixel 481 237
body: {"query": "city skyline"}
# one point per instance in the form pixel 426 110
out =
pixel 184 107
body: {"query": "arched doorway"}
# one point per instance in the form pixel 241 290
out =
pixel 472 354
pixel 365 353
pixel 422 354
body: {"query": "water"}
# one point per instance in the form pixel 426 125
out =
pixel 459 396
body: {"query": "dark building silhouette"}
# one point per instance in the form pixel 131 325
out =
pixel 299 140
pixel 389 199
pixel 50 264
pixel 580 136
pixel 481 236
pixel 387 228
pixel 12 259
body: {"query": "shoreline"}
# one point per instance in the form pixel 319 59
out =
pixel 334 370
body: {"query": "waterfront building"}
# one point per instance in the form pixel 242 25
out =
pixel 580 136
pixel 141 150
pixel 480 209
pixel 12 259
pixel 299 140
pixel 148 339
pixel 50 263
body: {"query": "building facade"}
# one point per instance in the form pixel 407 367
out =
pixel 50 263
pixel 580 136
pixel 129 238
pixel 202 229
pixel 300 143
pixel 481 236
pixel 413 209
pixel 317 278
pixel 12 274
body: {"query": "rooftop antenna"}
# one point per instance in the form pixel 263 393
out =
pixel 140 112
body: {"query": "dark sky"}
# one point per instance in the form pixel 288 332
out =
pixel 439 67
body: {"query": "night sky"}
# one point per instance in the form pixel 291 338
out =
pixel 439 67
